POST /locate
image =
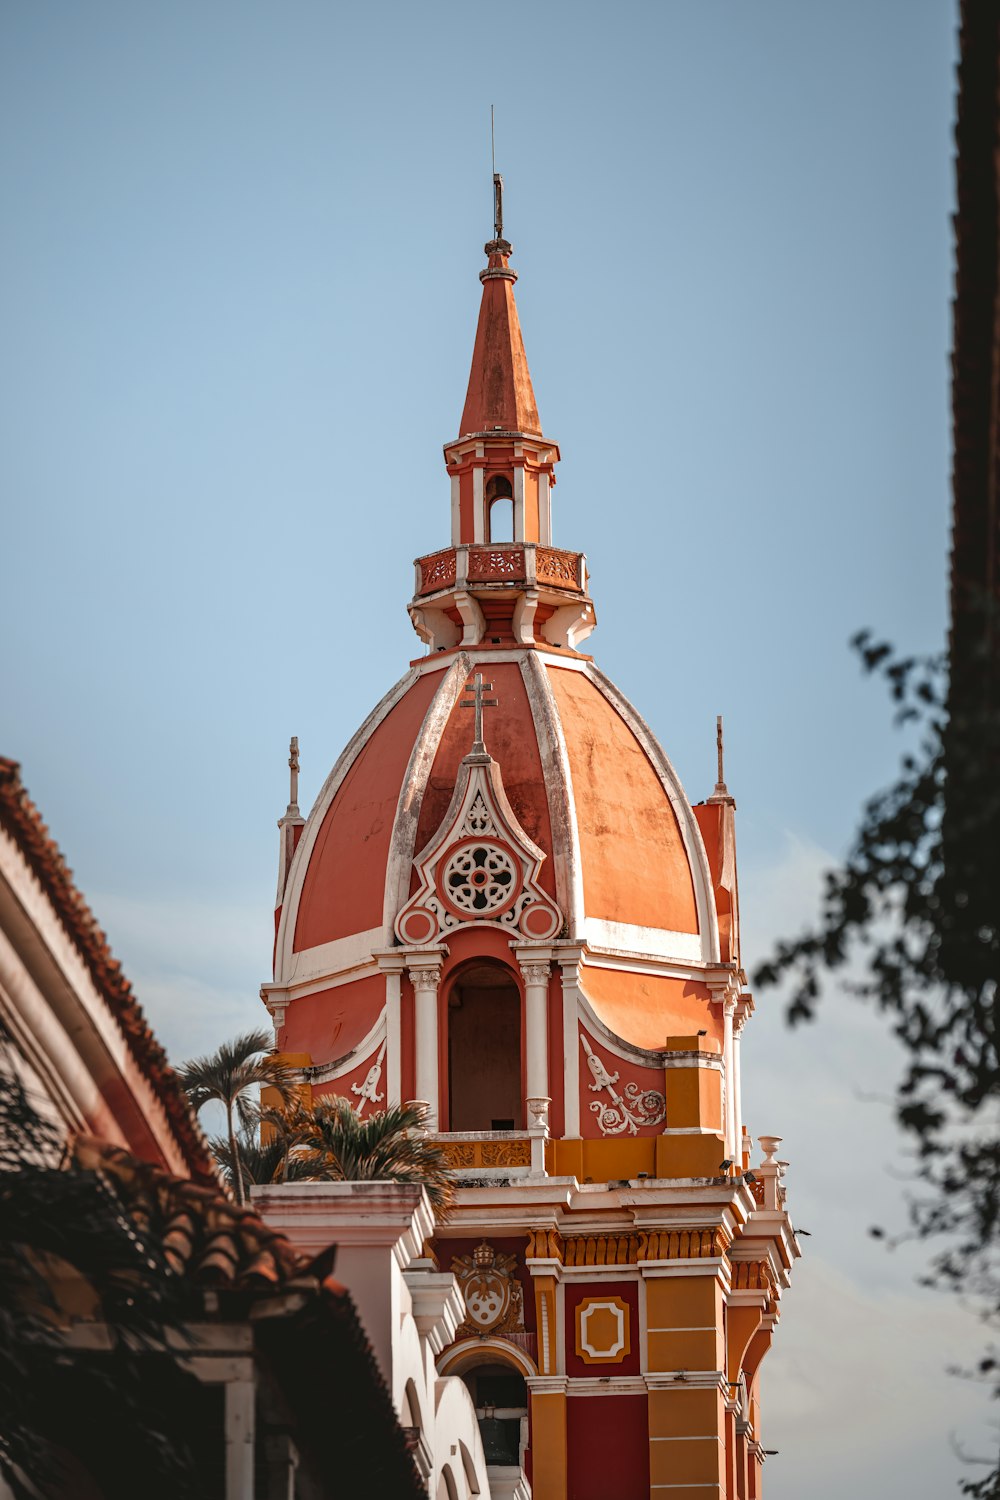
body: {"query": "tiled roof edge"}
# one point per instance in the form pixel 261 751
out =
pixel 21 818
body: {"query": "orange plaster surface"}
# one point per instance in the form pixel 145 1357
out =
pixel 645 1009
pixel 345 884
pixel 328 1024
pixel 500 393
pixel 712 822
pixel 635 868
pixel 509 734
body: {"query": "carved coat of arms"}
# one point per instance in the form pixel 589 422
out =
pixel 494 1301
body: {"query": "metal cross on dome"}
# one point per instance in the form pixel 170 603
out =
pixel 479 687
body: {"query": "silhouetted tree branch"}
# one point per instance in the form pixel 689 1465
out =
pixel 918 902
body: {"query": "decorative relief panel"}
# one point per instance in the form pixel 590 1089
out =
pixel 494 562
pixel 627 1106
pixel 629 1248
pixel 556 566
pixel 466 1155
pixel 437 571
pixel 367 1091
pixel 751 1275
pixel 683 1244
pixel 603 1334
pixel 494 1301
pixel 479 867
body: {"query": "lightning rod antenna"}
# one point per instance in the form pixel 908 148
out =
pixel 497 181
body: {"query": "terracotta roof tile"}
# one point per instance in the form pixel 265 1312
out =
pixel 202 1233
pixel 21 818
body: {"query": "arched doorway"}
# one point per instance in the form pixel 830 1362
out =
pixel 484 1050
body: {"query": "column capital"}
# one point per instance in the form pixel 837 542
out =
pixel 425 975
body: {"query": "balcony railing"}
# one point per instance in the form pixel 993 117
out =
pixel 502 562
pixel 485 1150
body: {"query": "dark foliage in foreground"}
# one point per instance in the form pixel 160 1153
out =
pixel 67 1242
pixel 919 900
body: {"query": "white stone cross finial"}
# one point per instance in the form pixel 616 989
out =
pixel 293 767
pixel 478 687
pixel 721 789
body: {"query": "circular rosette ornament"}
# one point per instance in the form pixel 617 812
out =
pixel 479 880
pixel 418 926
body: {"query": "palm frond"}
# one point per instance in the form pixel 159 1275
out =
pixel 236 1067
pixel 330 1141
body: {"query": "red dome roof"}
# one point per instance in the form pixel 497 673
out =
pixel 584 775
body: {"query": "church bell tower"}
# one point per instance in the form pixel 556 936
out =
pixel 504 905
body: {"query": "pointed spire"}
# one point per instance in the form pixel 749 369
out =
pixel 500 396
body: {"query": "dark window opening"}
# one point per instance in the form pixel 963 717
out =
pixel 484 1051
pixel 500 1397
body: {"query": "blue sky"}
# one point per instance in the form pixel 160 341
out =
pixel 238 291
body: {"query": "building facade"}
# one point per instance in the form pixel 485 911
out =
pixel 248 1357
pixel 515 915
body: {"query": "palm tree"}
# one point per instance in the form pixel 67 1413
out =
pixel 263 1158
pixel 228 1076
pixel 329 1141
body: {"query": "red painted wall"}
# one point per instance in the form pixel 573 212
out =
pixel 344 886
pixel 628 1291
pixel 509 734
pixel 332 1021
pixel 608 1445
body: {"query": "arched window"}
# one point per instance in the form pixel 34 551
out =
pixel 500 1396
pixel 499 509
pixel 484 1050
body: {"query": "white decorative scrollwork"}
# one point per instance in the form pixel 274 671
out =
pixel 479 819
pixel 480 867
pixel 479 877
pixel 367 1090
pixel 638 1107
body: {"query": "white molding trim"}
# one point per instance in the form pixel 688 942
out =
pixel 402 844
pixel 640 963
pixel 569 962
pixel 609 1385
pixel 314 822
pixel 558 778
pixel 328 960
pixel 478 655
pixel 369 1043
pixel 644 1057
pixel 657 942
pixel 459 1353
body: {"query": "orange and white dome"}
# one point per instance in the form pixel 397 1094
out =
pixel 553 834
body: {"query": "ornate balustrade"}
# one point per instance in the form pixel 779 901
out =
pixel 503 562
pixel 469 1152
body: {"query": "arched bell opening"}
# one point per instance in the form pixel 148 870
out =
pixel 500 1395
pixel 484 1049
pixel 499 509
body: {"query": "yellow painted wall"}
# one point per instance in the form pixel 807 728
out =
pixel 548 1446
